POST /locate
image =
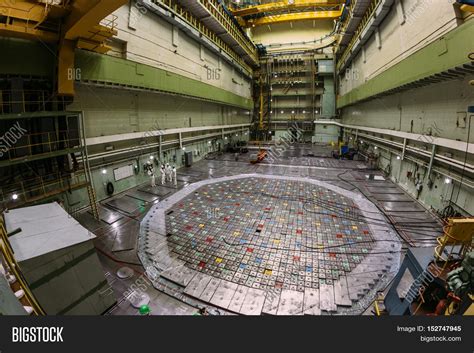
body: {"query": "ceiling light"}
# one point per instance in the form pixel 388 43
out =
pixel 447 181
pixel 15 197
pixel 104 171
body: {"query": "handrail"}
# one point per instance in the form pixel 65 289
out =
pixel 367 16
pixel 193 21
pixel 53 141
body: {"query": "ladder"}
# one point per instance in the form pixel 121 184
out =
pixel 93 201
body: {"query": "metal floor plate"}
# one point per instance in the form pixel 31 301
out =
pixel 108 216
pixel 393 197
pixel 383 190
pixel 125 204
pixel 143 196
pixel 157 190
pixel 402 206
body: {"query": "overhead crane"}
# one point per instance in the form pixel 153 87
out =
pixel 69 24
pixel 285 5
pixel 83 30
pixel 291 17
pixel 285 11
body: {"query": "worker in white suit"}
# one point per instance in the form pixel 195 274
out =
pixel 163 174
pixel 175 176
pixel 169 176
pixel 151 173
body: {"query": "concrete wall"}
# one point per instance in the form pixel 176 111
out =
pixel 145 38
pixel 402 33
pixel 432 108
pixel 148 39
pixel 110 111
pixel 118 111
pixel 437 110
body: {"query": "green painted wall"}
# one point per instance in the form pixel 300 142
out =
pixel 445 53
pixel 111 70
pixel 328 99
pixel 79 198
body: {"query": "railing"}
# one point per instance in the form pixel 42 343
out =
pixel 216 9
pixel 29 101
pixel 40 188
pixel 13 267
pixel 110 22
pixel 198 25
pixel 367 16
pixel 41 143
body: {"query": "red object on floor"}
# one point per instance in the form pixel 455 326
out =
pixel 189 227
pixel 299 231
pixel 339 235
pixel 202 264
pixel 209 239
pixel 296 258
pixel 249 250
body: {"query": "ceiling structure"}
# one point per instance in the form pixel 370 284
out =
pixel 82 24
pixel 252 15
